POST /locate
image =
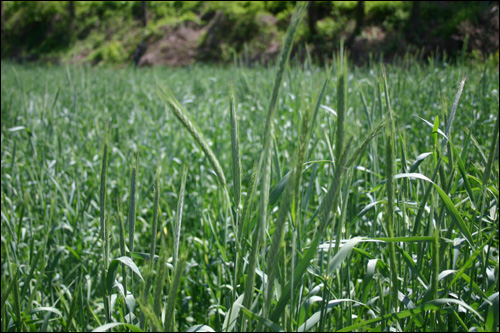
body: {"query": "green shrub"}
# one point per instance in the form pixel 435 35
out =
pixel 112 52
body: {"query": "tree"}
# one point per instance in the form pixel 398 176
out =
pixel 360 17
pixel 144 12
pixel 413 30
pixel 2 15
pixel 71 9
pixel 312 17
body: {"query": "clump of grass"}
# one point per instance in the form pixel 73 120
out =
pixel 389 170
pixel 266 156
pixel 153 242
pixel 291 196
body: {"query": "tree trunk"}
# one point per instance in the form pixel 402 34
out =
pixel 144 13
pixel 71 8
pixel 413 32
pixel 2 14
pixel 360 18
pixel 312 17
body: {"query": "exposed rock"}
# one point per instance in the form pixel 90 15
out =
pixel 177 48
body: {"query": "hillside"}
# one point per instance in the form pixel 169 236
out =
pixel 180 33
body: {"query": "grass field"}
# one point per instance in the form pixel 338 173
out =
pixel 330 199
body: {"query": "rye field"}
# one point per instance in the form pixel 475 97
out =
pixel 212 198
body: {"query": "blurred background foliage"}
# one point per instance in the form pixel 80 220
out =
pixel 109 32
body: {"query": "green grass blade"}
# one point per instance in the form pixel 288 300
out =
pixel 178 216
pixel 330 200
pixel 235 148
pixel 454 107
pixel 493 151
pixel 341 103
pixel 102 201
pixel 200 328
pixel 169 319
pixel 155 214
pixel 266 154
pixel 315 318
pixel 197 135
pixel 262 320
pixel 318 103
pixel 160 279
pixel 127 261
pixel 276 242
pixel 448 203
pixel 279 188
pixel 232 315
pixel 131 216
pixel 342 254
pixel 106 327
pixel 397 316
pixel 470 261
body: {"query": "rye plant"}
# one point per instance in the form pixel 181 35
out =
pixel 265 158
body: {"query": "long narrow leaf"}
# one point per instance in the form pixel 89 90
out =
pixel 114 265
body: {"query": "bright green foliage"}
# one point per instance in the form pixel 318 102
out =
pixel 108 32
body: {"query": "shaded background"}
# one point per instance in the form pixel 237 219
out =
pixel 181 33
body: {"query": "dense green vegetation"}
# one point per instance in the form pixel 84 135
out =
pixel 109 31
pixel 301 198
